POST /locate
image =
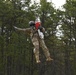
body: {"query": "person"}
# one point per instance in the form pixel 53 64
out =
pixel 37 41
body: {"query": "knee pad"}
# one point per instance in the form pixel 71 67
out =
pixel 36 49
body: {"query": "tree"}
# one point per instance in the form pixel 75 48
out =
pixel 69 34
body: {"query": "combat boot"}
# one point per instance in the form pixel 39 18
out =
pixel 38 61
pixel 49 59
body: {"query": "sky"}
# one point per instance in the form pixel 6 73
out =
pixel 57 3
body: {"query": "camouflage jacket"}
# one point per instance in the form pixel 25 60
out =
pixel 31 31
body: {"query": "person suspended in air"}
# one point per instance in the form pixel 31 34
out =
pixel 37 38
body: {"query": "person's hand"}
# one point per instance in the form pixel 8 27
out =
pixel 15 27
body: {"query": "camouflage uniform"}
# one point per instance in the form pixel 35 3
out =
pixel 37 42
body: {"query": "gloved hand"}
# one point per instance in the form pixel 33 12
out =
pixel 15 27
pixel 41 35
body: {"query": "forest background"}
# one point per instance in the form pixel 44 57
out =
pixel 16 55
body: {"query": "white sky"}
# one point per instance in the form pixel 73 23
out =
pixel 57 3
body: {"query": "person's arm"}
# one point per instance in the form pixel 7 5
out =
pixel 26 30
pixel 42 29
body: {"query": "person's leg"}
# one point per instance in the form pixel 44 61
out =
pixel 36 49
pixel 45 49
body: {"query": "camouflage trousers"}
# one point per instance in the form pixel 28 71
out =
pixel 40 43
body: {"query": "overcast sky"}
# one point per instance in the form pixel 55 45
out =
pixel 58 3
